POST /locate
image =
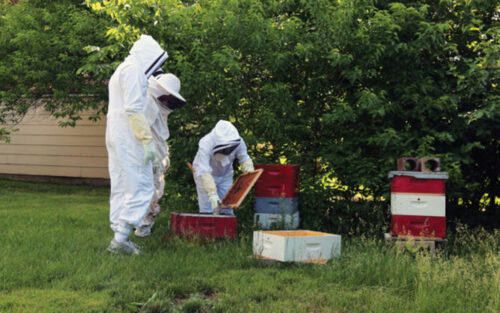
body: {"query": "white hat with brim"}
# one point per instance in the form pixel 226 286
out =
pixel 169 83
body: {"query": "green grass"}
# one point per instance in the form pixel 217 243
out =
pixel 53 259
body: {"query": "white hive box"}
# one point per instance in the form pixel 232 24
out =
pixel 418 204
pixel 296 245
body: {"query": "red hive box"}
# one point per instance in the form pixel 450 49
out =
pixel 419 226
pixel 278 181
pixel 410 184
pixel 418 203
pixel 276 190
pixel 203 225
pixel 279 173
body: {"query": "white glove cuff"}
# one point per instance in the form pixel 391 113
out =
pixel 247 166
pixel 208 184
pixel 140 128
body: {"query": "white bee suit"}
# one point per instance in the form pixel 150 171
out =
pixel 221 170
pixel 157 116
pixel 131 178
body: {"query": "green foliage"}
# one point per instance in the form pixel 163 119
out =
pixel 343 88
pixel 41 49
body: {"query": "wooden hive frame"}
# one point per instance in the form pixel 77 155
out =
pixel 240 188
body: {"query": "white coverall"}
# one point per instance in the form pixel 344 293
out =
pixel 132 185
pixel 221 171
pixel 156 116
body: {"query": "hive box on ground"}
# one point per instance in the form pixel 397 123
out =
pixel 203 225
pixel 215 226
pixel 276 205
pixel 296 245
pixel 418 204
pixel 276 220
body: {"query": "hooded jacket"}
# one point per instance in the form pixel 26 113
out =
pixel 205 163
pixel 128 85
pixel 128 96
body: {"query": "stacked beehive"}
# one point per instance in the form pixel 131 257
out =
pixel 277 196
pixel 418 200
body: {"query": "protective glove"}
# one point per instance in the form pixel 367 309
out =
pixel 247 166
pixel 208 184
pixel 214 200
pixel 142 132
pixel 140 127
pixel 150 155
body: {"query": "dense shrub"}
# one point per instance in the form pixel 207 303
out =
pixel 342 88
pixel 41 49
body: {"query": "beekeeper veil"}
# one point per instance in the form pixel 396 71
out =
pixel 149 54
pixel 165 89
pixel 227 139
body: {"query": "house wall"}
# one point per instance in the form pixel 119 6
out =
pixel 40 147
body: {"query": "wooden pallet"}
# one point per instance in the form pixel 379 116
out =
pixel 411 241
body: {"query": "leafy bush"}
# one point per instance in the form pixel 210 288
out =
pixel 342 88
pixel 41 49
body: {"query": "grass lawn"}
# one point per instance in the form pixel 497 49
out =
pixel 53 259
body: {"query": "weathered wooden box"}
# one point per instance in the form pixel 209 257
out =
pixel 296 245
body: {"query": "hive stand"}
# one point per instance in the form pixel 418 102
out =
pixel 430 243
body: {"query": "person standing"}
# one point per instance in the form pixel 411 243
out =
pixel 163 99
pixel 213 165
pixel 129 141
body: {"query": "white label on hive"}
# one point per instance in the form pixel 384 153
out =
pixel 420 205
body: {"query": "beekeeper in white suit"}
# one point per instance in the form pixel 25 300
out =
pixel 213 165
pixel 129 141
pixel 163 99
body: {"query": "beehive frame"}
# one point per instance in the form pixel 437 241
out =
pixel 240 188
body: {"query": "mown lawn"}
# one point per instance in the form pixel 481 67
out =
pixel 53 259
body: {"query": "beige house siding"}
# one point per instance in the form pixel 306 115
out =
pixel 40 147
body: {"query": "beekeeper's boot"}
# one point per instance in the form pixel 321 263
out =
pixel 144 231
pixel 126 247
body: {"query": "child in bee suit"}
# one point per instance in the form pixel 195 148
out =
pixel 213 165
pixel 164 98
